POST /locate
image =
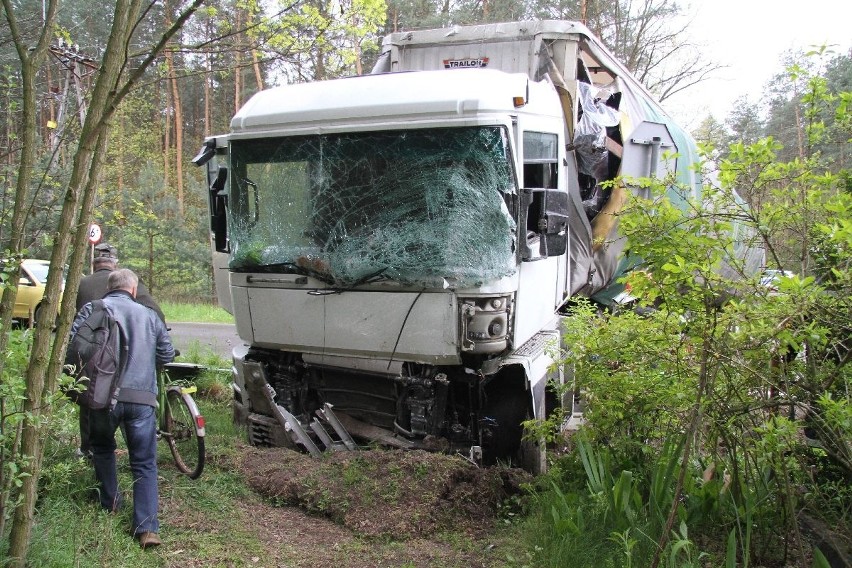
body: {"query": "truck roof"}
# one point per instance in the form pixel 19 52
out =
pixel 493 32
pixel 427 97
pixel 515 47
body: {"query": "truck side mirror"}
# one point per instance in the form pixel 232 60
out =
pixel 543 216
pixel 217 198
pixel 218 202
pixel 208 150
pixel 553 223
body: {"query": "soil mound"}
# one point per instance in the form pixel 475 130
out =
pixel 386 493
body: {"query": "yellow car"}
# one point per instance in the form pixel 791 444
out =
pixel 31 288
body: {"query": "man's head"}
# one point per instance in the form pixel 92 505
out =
pixel 105 256
pixel 123 279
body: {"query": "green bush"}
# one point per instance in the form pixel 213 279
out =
pixel 752 380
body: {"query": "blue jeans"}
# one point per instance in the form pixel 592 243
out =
pixel 140 426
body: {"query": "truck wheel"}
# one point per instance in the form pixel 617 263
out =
pixel 508 412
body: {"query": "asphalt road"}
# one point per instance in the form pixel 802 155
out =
pixel 219 338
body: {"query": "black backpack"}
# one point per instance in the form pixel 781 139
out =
pixel 96 358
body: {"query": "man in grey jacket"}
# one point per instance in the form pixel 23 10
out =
pixel 147 347
pixel 94 287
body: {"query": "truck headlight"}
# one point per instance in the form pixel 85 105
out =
pixel 485 323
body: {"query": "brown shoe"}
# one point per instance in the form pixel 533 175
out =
pixel 149 539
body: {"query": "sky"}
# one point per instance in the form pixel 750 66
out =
pixel 750 37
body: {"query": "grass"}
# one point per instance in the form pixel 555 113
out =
pixel 212 521
pixel 204 355
pixel 217 520
pixel 202 522
pixel 198 313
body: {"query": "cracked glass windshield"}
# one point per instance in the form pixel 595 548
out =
pixel 425 207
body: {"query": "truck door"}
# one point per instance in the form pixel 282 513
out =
pixel 542 271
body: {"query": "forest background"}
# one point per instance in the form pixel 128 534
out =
pixel 103 106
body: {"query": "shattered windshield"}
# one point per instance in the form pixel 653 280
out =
pixel 425 207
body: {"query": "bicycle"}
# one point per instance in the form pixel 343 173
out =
pixel 180 422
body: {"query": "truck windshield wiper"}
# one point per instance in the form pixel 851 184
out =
pixel 298 268
pixel 289 268
pixel 368 279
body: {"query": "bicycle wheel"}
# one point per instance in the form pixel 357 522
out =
pixel 184 431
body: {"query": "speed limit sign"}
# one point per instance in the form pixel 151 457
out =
pixel 94 233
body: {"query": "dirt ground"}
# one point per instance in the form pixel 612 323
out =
pixel 376 508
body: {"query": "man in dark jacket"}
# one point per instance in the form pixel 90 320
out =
pixel 94 287
pixel 147 347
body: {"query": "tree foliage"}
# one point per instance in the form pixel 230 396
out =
pixel 113 82
pixel 803 108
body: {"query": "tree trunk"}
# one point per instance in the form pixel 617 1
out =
pixel 30 63
pixel 167 138
pixel 207 117
pixel 119 182
pixel 45 364
pixel 40 382
pixel 150 278
pixel 208 59
pixel 178 117
pixel 258 76
pixel 238 87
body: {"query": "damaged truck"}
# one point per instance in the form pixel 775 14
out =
pixel 397 248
